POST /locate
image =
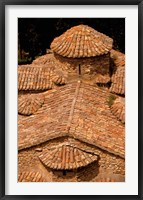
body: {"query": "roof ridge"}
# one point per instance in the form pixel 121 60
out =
pixel 73 105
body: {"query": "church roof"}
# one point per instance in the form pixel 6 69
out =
pixel 76 110
pixel 118 108
pixel 66 157
pixel 30 176
pixel 38 78
pixel 118 77
pixel 81 41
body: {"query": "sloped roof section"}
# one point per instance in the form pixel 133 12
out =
pixel 66 158
pixel 118 77
pixel 39 78
pixel 30 176
pixel 81 41
pixel 118 81
pixel 28 104
pixel 75 110
pixel 50 121
pixel 118 58
pixel 118 109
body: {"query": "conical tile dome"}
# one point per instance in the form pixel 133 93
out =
pixel 81 41
pixel 118 109
pixel 29 104
pixel 66 158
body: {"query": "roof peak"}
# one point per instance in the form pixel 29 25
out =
pixel 81 41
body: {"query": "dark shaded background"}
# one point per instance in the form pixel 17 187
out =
pixel 36 34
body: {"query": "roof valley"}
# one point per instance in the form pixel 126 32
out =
pixel 73 106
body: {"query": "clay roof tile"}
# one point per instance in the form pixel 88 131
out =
pixel 66 157
pixel 81 41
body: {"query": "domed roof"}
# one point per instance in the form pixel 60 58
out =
pixel 81 41
pixel 118 109
pixel 66 158
pixel 29 104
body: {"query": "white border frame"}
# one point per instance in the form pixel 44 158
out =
pixel 130 187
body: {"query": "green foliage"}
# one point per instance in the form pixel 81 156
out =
pixel 24 61
pixel 111 99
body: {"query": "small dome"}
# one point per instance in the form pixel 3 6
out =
pixel 81 41
pixel 29 104
pixel 66 158
pixel 118 109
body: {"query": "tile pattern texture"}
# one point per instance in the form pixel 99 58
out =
pixel 81 41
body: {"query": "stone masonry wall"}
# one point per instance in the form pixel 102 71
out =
pixel 89 66
pixel 28 160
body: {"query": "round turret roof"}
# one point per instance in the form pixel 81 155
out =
pixel 81 41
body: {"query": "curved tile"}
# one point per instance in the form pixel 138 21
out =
pixel 30 103
pixel 81 41
pixel 66 157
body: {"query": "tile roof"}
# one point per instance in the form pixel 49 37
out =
pixel 76 110
pixel 28 104
pixel 118 109
pixel 118 77
pixel 30 176
pixel 81 41
pixel 118 58
pixel 118 81
pixel 66 157
pixel 34 77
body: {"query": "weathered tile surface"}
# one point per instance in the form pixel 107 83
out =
pixel 118 77
pixel 118 81
pixel 30 176
pixel 118 109
pixel 28 104
pixel 34 77
pixel 75 110
pixel 81 41
pixel 66 157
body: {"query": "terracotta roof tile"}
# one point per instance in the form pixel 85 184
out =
pixel 118 58
pixel 29 103
pixel 81 41
pixel 118 109
pixel 30 176
pixel 75 110
pixel 33 77
pixel 118 81
pixel 66 157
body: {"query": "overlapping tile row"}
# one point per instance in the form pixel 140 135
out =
pixel 44 60
pixel 118 81
pixel 118 58
pixel 91 121
pixel 50 121
pixel 34 77
pixel 94 123
pixel 30 176
pixel 109 177
pixel 118 109
pixel 81 41
pixel 66 157
pixel 28 104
